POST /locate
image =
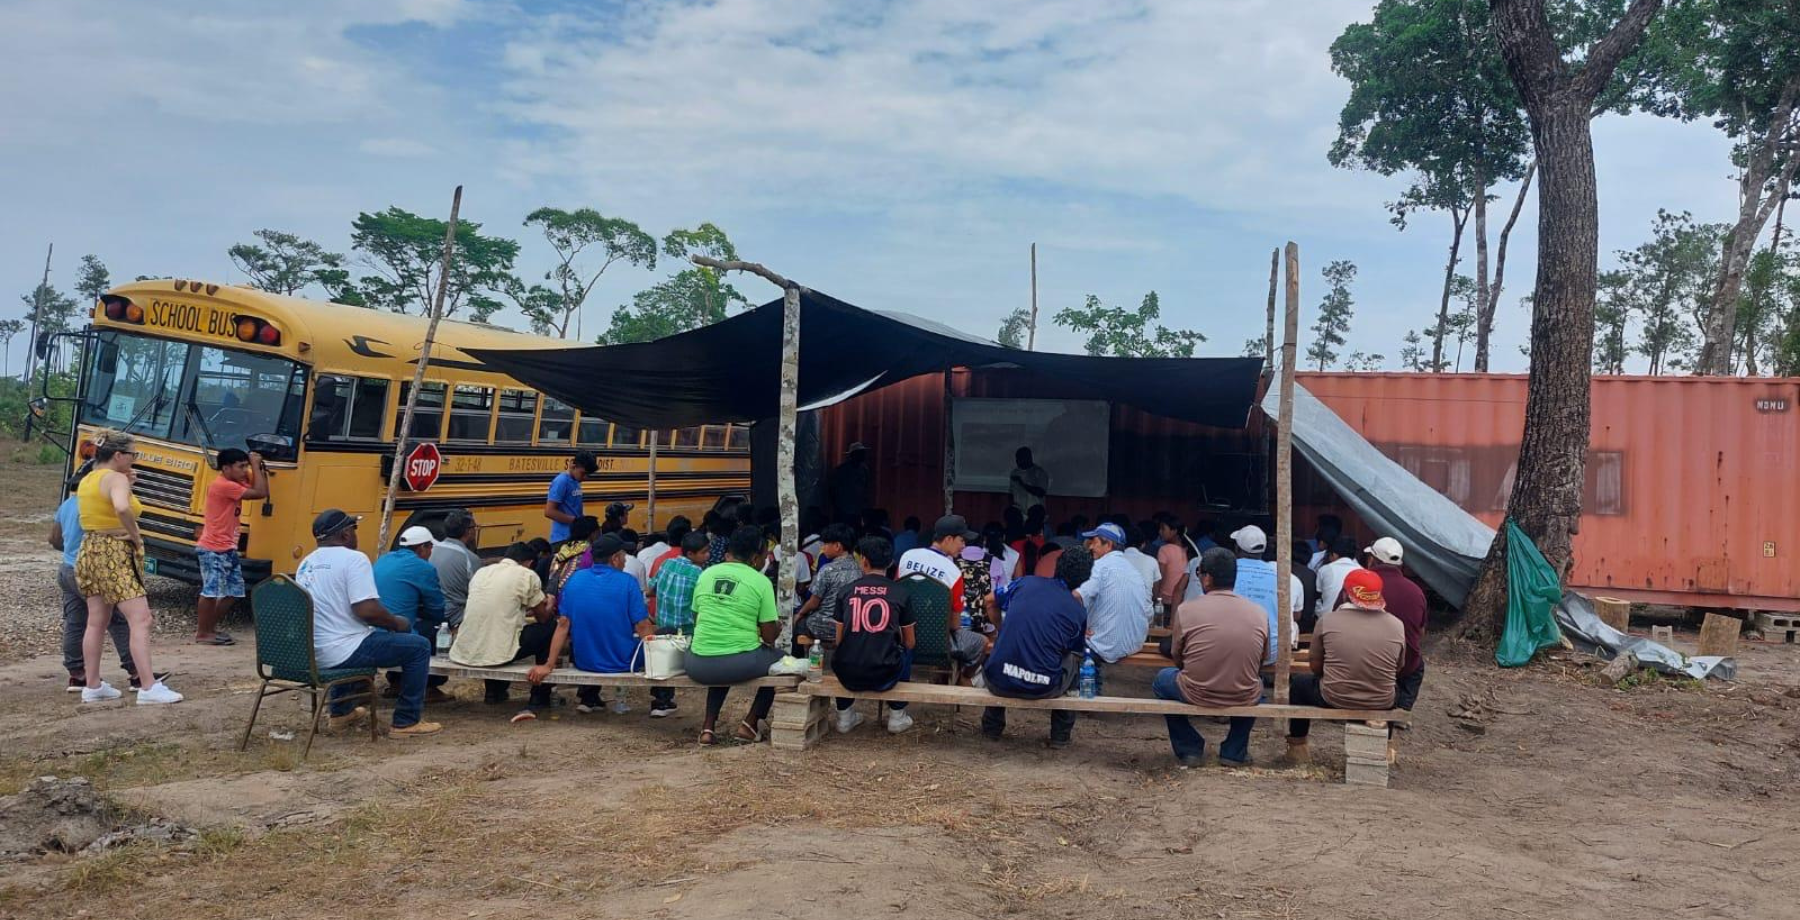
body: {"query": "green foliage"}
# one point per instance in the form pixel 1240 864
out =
pixel 405 252
pixel 1124 333
pixel 15 404
pixel 693 298
pixel 283 263
pixel 1335 311
pixel 8 329
pixel 1412 352
pixel 1768 327
pixel 1013 328
pixel 1358 361
pixel 572 234
pixel 92 279
pixel 1612 311
pixel 1429 95
pixel 49 308
pixel 1255 348
pixel 1665 282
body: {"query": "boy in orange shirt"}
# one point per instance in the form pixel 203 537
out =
pixel 241 477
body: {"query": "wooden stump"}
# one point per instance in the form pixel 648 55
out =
pixel 1614 612
pixel 1366 753
pixel 1719 635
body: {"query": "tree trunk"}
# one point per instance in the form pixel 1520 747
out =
pixel 1482 321
pixel 786 496
pixel 1459 219
pixel 1546 493
pixel 1756 202
pixel 1490 304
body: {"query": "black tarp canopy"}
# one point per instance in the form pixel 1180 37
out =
pixel 730 371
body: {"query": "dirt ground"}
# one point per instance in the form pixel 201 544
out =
pixel 1554 797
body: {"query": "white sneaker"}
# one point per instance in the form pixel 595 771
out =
pixel 847 720
pixel 158 693
pixel 99 694
pixel 788 666
pixel 584 708
pixel 899 721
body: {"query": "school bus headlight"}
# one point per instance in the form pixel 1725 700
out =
pixel 134 314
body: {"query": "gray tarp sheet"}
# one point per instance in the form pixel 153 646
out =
pixel 1445 544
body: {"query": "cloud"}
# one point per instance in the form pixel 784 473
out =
pixel 402 147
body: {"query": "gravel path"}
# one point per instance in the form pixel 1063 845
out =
pixel 31 604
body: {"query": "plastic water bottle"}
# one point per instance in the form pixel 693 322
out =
pixel 815 662
pixel 444 639
pixel 968 622
pixel 1090 679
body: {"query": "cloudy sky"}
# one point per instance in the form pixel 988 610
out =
pixel 899 155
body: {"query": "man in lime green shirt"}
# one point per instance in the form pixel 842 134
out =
pixel 735 620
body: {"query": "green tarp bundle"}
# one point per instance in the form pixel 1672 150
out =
pixel 1532 592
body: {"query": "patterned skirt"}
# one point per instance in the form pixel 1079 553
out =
pixel 109 567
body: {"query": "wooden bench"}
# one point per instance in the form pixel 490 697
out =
pixel 800 719
pixel 571 677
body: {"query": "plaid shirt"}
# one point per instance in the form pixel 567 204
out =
pixel 674 585
pixel 828 586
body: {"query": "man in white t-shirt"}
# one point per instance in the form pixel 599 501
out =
pixel 938 562
pixel 351 629
pixel 1340 561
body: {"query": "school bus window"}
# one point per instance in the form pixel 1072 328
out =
pixel 593 432
pixel 471 408
pixel 238 395
pixel 712 437
pixel 347 408
pixel 739 439
pixel 518 411
pixel 557 424
pixel 687 437
pixel 428 412
pixel 624 436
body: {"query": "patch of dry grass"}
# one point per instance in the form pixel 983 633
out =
pixel 154 763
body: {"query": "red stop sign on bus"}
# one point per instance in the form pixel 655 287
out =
pixel 423 463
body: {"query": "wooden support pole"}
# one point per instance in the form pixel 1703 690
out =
pixel 412 395
pixel 650 503
pixel 949 447
pixel 1031 333
pixel 1269 334
pixel 787 495
pixel 1284 481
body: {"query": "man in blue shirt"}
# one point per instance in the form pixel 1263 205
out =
pixel 601 615
pixel 1116 596
pixel 1038 652
pixel 409 589
pixel 563 505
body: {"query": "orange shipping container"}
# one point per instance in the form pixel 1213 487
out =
pixel 1689 497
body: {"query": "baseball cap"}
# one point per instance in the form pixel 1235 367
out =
pixel 1363 588
pixel 1112 532
pixel 1386 549
pixel 416 536
pixel 953 525
pixel 331 521
pixel 606 546
pixel 1250 539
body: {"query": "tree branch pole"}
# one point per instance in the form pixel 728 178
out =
pixel 787 496
pixel 1269 332
pixel 412 394
pixel 1031 334
pixel 650 503
pixel 37 312
pixel 1284 482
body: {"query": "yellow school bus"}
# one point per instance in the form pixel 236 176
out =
pixel 191 368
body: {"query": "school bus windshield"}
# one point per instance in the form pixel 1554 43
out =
pixel 192 394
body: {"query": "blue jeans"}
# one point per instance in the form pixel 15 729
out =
pixel 410 652
pixel 1186 740
pixel 429 629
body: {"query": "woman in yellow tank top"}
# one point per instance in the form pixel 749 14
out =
pixel 109 569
